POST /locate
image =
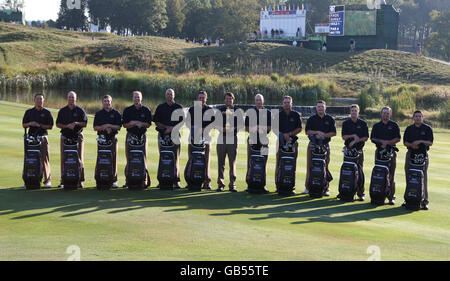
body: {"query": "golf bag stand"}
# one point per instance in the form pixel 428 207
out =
pixel 256 173
pixel 351 176
pixel 167 168
pixel 32 166
pixel 287 161
pixel 136 173
pixel 72 167
pixel 415 184
pixel 195 171
pixel 104 169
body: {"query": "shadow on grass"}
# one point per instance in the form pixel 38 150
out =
pixel 29 204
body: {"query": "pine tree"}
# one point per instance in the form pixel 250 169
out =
pixel 72 18
pixel 175 17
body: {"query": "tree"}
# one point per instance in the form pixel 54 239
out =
pixel 16 5
pixel 194 17
pixel 438 44
pixel 235 19
pixel 175 17
pixel 138 17
pixel 100 12
pixel 52 24
pixel 72 18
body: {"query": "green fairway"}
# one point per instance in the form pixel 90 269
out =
pixel 181 225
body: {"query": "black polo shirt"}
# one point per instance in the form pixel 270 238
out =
pixel 143 114
pixel 414 133
pixel 290 122
pixel 388 131
pixel 223 110
pixel 204 109
pixel 163 114
pixel 43 116
pixel 326 125
pixel 358 128
pixel 103 117
pixel 249 114
pixel 254 109
pixel 67 116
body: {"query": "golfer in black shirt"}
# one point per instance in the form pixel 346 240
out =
pixel 163 119
pixel 108 122
pixel 322 127
pixel 38 120
pixel 355 133
pixel 258 121
pixel 199 117
pixel 418 138
pixel 227 142
pixel 290 124
pixel 71 120
pixel 136 118
pixel 384 133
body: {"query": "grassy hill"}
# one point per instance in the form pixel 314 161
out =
pixel 180 225
pixel 28 48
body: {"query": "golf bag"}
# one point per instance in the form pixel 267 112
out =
pixel 72 167
pixel 380 185
pixel 136 173
pixel 167 169
pixel 32 166
pixel 287 161
pixel 195 171
pixel 351 176
pixel 414 192
pixel 104 169
pixel 256 173
pixel 318 182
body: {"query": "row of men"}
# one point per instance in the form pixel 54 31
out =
pixel 137 118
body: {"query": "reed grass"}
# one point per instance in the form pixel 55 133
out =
pixel 73 76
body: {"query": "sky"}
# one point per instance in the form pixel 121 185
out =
pixel 41 9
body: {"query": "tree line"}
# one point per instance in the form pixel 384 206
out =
pixel 421 21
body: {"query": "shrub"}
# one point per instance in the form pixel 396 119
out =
pixel 369 97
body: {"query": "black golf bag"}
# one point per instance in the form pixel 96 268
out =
pixel 195 171
pixel 167 168
pixel 104 169
pixel 414 192
pixel 287 161
pixel 351 176
pixel 72 167
pixel 318 182
pixel 137 174
pixel 256 173
pixel 380 185
pixel 32 167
